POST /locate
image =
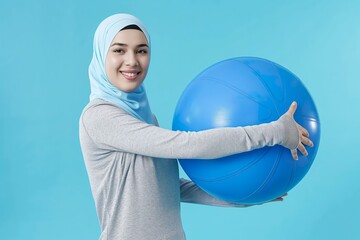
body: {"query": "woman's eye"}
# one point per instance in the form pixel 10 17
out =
pixel 142 51
pixel 119 50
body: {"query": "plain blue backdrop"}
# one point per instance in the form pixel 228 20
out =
pixel 46 47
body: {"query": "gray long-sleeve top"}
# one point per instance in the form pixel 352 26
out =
pixel 134 175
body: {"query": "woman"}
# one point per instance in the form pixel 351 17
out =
pixel 131 162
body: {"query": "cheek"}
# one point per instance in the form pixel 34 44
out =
pixel 145 63
pixel 111 63
pixel 111 66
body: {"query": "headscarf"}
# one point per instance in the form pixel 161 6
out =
pixel 135 102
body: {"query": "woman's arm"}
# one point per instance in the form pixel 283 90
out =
pixel 112 128
pixel 191 193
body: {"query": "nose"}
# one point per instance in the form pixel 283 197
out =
pixel 130 59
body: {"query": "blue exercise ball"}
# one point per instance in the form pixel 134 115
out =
pixel 241 92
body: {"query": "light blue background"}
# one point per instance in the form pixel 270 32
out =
pixel 46 47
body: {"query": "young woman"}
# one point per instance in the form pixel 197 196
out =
pixel 131 162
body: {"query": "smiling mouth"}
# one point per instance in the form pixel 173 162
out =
pixel 130 75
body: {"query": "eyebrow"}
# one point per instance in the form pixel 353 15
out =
pixel 125 45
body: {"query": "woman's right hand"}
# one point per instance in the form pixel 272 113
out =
pixel 303 134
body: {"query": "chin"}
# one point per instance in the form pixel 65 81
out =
pixel 125 86
pixel 128 89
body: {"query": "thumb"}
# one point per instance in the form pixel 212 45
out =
pixel 292 109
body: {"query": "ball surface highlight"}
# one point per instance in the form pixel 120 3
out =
pixel 241 92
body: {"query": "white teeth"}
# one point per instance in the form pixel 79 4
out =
pixel 129 74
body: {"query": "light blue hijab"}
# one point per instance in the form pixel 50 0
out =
pixel 136 102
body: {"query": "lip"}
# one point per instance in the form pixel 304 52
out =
pixel 130 74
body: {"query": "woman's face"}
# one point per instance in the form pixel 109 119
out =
pixel 127 60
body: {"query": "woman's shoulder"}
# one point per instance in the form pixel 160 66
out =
pixel 97 104
pixel 98 108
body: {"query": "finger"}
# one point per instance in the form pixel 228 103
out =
pixel 306 141
pixel 292 108
pixel 303 130
pixel 279 199
pixel 294 154
pixel 302 149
